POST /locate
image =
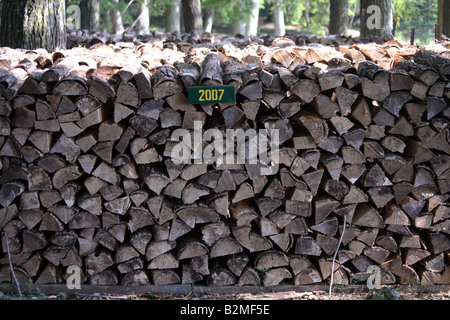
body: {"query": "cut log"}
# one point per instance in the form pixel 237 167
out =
pixel 191 249
pixel 225 246
pixel 250 240
pixel 157 248
pixel 249 277
pixel 221 277
pixel 271 259
pixel 275 276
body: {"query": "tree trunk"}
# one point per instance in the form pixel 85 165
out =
pixel 33 24
pixel 252 25
pixel 238 27
pixel 238 22
pixel 444 22
pixel 192 12
pixel 143 25
pixel 173 21
pixel 338 16
pixel 278 17
pixel 306 14
pixel 90 14
pixel 208 20
pixel 379 21
pixel 116 18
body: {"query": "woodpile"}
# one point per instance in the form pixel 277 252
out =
pixel 86 38
pixel 87 177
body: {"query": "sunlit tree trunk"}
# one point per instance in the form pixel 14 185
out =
pixel 238 20
pixel 238 27
pixel 208 19
pixel 116 18
pixel 278 18
pixel 173 21
pixel 252 25
pixel 32 24
pixel 143 25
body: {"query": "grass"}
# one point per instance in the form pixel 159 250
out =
pixel 385 293
pixel 30 292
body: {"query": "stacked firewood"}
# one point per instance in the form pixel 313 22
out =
pixel 87 177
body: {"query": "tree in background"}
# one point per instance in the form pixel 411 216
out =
pixel 90 14
pixel 379 18
pixel 32 24
pixel 143 20
pixel 419 14
pixel 192 13
pixel 239 24
pixel 208 18
pixel 278 18
pixel 444 17
pixel 173 16
pixel 309 16
pixel 253 20
pixel 316 17
pixel 339 17
pixel 116 17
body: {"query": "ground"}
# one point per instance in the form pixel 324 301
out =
pixel 386 293
pixel 314 295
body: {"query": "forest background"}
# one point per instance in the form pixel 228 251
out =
pixel 273 17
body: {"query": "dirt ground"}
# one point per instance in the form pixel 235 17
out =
pixel 317 293
pixel 383 294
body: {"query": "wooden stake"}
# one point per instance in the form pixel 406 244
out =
pixel 437 31
pixel 395 24
pixel 335 254
pixel 363 22
pixel 11 266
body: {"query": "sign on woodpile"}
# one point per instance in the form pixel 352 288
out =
pixel 212 94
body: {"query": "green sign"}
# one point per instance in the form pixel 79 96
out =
pixel 212 94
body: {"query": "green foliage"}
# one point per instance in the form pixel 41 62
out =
pixel 385 293
pixel 308 15
pixel 33 292
pixel 234 9
pixel 419 14
pixel 305 16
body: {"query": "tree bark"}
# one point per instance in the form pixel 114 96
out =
pixel 338 16
pixel 208 19
pixel 173 21
pixel 116 18
pixel 238 27
pixel 33 24
pixel 238 21
pixel 278 17
pixel 252 25
pixel 192 12
pixel 143 25
pixel 380 21
pixel 444 22
pixel 90 14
